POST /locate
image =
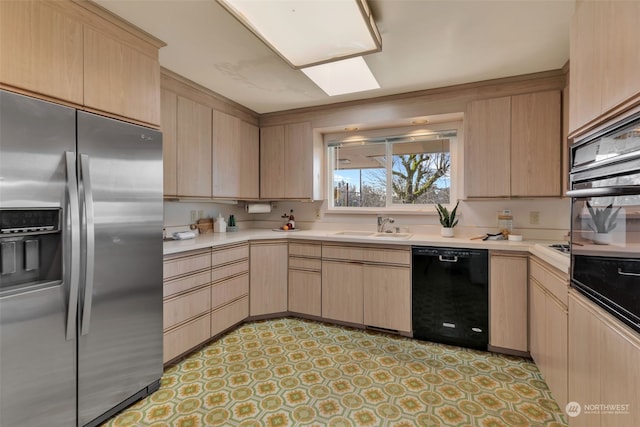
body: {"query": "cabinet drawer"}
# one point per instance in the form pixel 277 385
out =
pixel 228 290
pixel 183 265
pixel 186 306
pixel 551 281
pixel 305 250
pixel 355 253
pixel 184 338
pixel 229 254
pixel 229 270
pixel 229 315
pixel 182 284
pixel 305 264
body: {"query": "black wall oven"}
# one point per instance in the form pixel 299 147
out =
pixel 605 219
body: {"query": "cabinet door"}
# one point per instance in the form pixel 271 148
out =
pixel 487 148
pixel 305 292
pixel 272 173
pixel 508 302
pixel 120 79
pixel 298 161
pixel 194 149
pixel 169 126
pixel 584 362
pixel 226 166
pixel 536 144
pixel 41 49
pixel 556 333
pixel 342 291
pixel 620 370
pixel 268 278
pixel 249 168
pixel 537 324
pixel 587 62
pixel 387 297
pixel 621 34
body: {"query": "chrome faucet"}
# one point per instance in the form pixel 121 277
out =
pixel 382 222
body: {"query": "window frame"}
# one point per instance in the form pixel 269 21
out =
pixel 457 166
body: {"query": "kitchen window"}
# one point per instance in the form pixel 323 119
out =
pixel 408 171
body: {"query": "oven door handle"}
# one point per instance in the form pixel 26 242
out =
pixel 621 190
pixel 624 273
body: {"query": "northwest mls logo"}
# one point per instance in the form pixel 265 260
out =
pixel 573 409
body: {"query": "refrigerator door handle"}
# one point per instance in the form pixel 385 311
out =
pixel 74 216
pixel 90 241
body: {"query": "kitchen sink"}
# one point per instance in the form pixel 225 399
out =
pixel 354 233
pixel 391 235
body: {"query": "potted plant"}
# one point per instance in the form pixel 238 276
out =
pixel 447 219
pixel 604 221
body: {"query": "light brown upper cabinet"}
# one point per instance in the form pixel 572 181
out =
pixel 120 77
pixel 193 148
pixel 488 147
pixel 513 146
pixel 78 52
pixel 286 161
pixel 604 61
pixel 169 126
pixel 236 151
pixel 42 49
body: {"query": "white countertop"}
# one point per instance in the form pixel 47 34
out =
pixel 535 247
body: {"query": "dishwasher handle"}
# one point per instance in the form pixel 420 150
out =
pixel 448 258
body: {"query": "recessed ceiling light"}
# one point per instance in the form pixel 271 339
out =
pixel 419 122
pixel 351 129
pixel 340 77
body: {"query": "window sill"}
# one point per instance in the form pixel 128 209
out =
pixel 430 211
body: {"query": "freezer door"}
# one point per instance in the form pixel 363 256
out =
pixel 37 362
pixel 120 346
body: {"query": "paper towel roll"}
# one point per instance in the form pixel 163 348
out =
pixel 257 207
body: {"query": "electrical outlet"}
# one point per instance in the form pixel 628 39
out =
pixel 534 217
pixel 318 213
pixel 194 216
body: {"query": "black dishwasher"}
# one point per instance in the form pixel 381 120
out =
pixel 450 296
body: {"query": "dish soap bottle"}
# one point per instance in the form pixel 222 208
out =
pixel 292 221
pixel 221 225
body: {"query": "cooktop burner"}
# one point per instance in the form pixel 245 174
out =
pixel 561 247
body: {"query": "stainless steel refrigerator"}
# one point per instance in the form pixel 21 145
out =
pixel 81 264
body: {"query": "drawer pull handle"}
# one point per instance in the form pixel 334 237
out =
pixel 624 273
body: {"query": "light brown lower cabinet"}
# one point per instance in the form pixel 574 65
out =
pixel 305 278
pixel 268 277
pixel 387 297
pixel 508 301
pixel 604 367
pixel 186 295
pixel 229 287
pixel 368 286
pixel 205 293
pixel 548 326
pixel 342 291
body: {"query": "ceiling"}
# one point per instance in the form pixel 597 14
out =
pixel 425 44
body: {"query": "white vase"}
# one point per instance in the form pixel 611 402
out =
pixel 446 231
pixel 602 238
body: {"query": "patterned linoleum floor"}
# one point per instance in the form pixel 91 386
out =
pixel 294 372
